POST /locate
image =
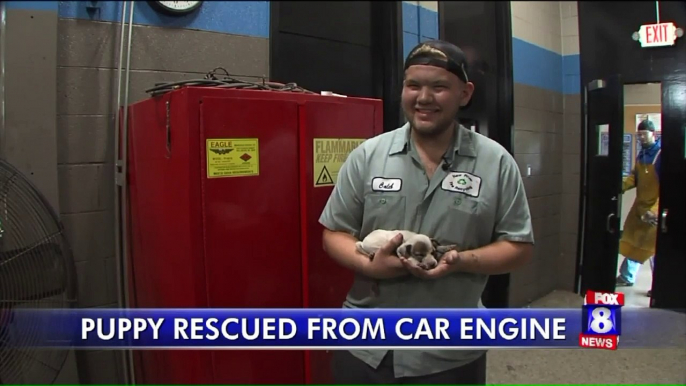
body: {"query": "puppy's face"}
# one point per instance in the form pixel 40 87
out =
pixel 420 250
pixel 423 251
pixel 417 248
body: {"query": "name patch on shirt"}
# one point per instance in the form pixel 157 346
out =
pixel 380 184
pixel 462 182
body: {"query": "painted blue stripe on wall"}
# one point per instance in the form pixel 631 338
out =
pixel 572 84
pixel 428 23
pixel 35 5
pixel 410 18
pixel 538 67
pixel 571 72
pixel 249 18
pixel 571 65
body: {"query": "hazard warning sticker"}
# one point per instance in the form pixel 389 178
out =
pixel 329 155
pixel 232 157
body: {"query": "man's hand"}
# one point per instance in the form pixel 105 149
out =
pixel 386 264
pixel 650 218
pixel 446 265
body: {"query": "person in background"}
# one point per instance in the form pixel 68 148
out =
pixel 640 228
pixel 436 177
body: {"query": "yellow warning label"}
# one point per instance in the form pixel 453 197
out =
pixel 329 155
pixel 232 157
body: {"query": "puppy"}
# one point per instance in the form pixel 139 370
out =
pixel 419 249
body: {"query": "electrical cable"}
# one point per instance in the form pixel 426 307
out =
pixel 213 79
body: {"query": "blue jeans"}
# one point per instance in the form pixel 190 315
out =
pixel 629 269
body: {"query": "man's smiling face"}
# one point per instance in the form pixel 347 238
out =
pixel 431 98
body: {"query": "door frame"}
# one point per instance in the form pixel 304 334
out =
pixel 387 40
pixel 583 184
pixel 583 174
pixel 670 297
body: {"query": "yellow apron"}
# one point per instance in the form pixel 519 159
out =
pixel 638 237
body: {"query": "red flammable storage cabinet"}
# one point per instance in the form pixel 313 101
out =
pixel 225 191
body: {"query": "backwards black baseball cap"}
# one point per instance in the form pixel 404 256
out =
pixel 441 54
pixel 646 125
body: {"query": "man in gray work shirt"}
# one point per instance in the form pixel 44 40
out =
pixel 435 177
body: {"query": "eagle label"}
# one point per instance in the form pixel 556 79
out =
pixel 232 157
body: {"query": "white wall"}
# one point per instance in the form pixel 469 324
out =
pixel 643 94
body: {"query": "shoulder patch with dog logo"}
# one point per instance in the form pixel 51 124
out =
pixel 462 182
pixel 380 184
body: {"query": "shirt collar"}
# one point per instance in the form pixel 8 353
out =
pixel 463 142
pixel 652 150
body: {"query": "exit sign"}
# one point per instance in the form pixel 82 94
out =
pixel 658 35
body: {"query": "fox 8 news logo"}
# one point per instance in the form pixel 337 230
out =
pixel 602 312
pixel 601 321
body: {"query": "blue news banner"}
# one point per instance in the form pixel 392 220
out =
pixel 312 329
pixel 301 328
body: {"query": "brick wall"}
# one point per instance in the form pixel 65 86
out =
pixel 227 34
pixel 546 140
pixel 571 160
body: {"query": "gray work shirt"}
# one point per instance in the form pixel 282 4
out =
pixel 479 200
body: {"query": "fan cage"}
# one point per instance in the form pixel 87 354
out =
pixel 37 271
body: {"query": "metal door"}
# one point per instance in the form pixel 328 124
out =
pixel 670 260
pixel 604 131
pixel 326 283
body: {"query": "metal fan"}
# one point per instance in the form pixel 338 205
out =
pixel 36 272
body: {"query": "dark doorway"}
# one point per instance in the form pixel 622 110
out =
pixel 607 49
pixel 642 102
pixel 483 30
pixel 351 48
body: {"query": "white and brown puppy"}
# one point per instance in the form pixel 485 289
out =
pixel 419 249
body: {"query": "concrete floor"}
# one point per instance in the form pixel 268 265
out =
pixel 635 296
pixel 581 366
